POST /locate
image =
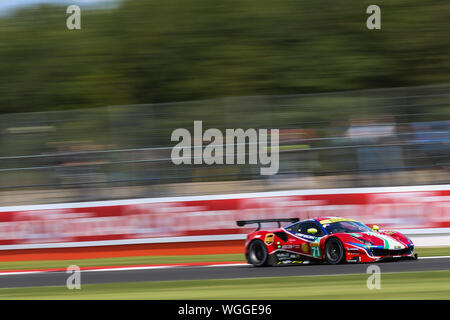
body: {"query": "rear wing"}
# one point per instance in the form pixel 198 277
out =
pixel 242 223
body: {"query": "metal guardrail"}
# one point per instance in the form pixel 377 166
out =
pixel 129 146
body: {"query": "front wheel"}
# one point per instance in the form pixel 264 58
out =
pixel 257 253
pixel 334 251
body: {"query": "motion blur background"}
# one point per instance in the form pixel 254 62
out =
pixel 87 114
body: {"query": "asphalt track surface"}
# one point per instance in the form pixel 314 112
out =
pixel 216 272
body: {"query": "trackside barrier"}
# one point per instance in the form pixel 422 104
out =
pixel 421 212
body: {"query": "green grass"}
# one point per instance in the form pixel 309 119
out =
pixel 428 252
pixel 48 264
pixel 409 285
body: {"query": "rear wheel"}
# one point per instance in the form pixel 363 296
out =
pixel 257 253
pixel 334 251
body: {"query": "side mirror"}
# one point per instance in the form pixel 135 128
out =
pixel 312 230
pixel 375 228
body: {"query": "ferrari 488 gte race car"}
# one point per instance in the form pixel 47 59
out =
pixel 330 239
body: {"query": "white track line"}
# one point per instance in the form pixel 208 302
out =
pixel 226 265
pixel 130 268
pixel 158 267
pixel 106 269
pixel 20 273
pixel 434 257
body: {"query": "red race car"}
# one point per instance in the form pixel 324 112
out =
pixel 331 239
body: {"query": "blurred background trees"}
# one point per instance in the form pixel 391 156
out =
pixel 174 50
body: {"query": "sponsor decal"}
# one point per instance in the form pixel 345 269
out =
pixel 269 239
pixel 282 256
pixel 305 248
pixel 291 261
pixel 306 236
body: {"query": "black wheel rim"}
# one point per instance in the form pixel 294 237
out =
pixel 334 251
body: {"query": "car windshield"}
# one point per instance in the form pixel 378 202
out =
pixel 346 226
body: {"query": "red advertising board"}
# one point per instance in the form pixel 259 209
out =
pixel 418 207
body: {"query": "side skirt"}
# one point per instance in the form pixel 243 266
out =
pixel 289 258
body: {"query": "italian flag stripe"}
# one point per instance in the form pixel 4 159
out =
pixel 386 243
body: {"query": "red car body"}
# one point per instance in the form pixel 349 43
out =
pixel 297 242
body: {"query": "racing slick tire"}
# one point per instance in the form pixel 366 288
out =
pixel 257 254
pixel 334 251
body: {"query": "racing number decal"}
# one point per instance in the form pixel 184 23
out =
pixel 269 239
pixel 315 251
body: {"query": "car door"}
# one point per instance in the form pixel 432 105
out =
pixel 303 242
pixel 299 240
pixel 312 241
